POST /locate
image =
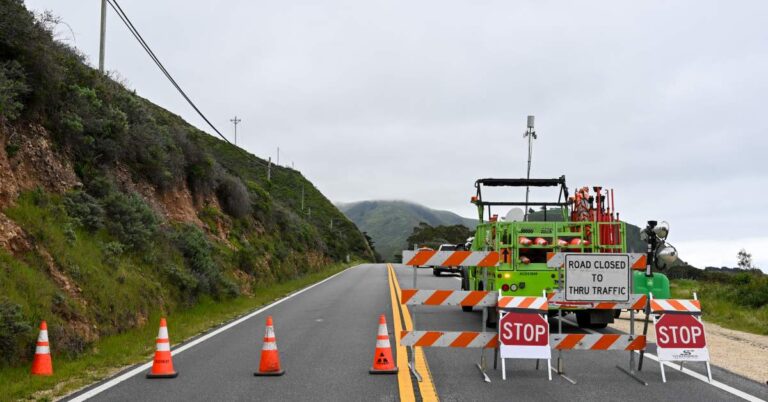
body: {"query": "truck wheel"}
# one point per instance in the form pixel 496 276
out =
pixel 465 286
pixel 464 279
pixel 435 272
pixel 617 313
pixel 583 319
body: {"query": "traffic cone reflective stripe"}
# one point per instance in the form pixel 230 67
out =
pixel 383 363
pixel 269 364
pixel 162 366
pixel 42 364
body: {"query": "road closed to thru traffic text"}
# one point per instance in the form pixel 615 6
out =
pixel 597 277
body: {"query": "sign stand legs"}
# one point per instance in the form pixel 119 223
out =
pixel 560 367
pixel 631 371
pixel 481 365
pixel 412 364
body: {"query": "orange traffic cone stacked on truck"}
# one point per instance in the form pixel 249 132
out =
pixel 382 358
pixel 162 366
pixel 269 365
pixel 42 364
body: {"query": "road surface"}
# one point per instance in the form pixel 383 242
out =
pixel 326 337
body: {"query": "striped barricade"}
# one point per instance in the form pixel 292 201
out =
pixel 636 302
pixel 597 342
pixel 450 258
pixel 457 339
pixel 556 260
pixel 523 302
pixel 680 335
pixel 661 306
pixel 478 298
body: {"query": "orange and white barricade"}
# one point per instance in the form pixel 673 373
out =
pixel 679 332
pixel 418 258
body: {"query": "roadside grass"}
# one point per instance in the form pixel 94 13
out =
pixel 113 353
pixel 720 308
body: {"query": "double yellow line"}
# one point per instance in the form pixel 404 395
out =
pixel 405 383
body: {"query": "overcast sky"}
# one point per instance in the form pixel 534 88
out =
pixel 663 101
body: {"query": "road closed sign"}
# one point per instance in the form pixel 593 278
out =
pixel 680 337
pixel 597 277
pixel 523 336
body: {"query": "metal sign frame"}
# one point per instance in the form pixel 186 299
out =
pixel 548 346
pixel 656 318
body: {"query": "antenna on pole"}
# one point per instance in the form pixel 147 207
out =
pixel 531 136
pixel 235 121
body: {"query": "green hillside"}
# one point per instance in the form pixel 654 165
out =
pixel 389 223
pixel 114 211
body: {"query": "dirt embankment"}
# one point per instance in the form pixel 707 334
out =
pixel 740 352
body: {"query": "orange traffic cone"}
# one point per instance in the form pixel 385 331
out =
pixel 42 364
pixel 270 357
pixel 162 367
pixel 382 358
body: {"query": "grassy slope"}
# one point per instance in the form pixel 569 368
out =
pixel 389 223
pixel 718 306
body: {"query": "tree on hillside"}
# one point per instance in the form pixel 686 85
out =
pixel 376 255
pixel 427 235
pixel 744 259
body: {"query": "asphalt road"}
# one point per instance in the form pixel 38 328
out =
pixel 326 337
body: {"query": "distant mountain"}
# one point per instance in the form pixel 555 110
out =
pixel 389 223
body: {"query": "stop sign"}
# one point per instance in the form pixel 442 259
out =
pixel 681 331
pixel 523 329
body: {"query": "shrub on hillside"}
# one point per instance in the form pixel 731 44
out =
pixel 13 328
pixel 233 196
pixel 130 219
pixel 12 88
pixel 85 210
pixel 198 256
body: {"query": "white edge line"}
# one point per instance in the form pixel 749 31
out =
pixel 117 380
pixel 715 383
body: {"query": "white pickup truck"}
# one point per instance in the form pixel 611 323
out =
pixel 438 270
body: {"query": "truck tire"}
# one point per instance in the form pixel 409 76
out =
pixel 583 319
pixel 465 286
pixel 435 272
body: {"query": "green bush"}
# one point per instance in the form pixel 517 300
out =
pixel 85 210
pixel 12 88
pixel 198 256
pixel 130 219
pixel 13 328
pixel 233 197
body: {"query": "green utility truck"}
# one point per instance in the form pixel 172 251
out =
pixel 526 239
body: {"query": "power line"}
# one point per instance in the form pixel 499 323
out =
pixel 127 21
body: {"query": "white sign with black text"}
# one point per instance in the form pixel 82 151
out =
pixel 597 277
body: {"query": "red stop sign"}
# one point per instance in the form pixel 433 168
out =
pixel 680 331
pixel 523 329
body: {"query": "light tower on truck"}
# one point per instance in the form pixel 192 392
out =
pixel 531 136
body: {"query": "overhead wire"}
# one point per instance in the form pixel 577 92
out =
pixel 127 21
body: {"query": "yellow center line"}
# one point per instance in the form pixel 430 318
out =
pixel 403 374
pixel 426 386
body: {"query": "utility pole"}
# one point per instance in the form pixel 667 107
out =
pixel 278 156
pixel 302 197
pixel 103 35
pixel 235 121
pixel 269 169
pixel 531 136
